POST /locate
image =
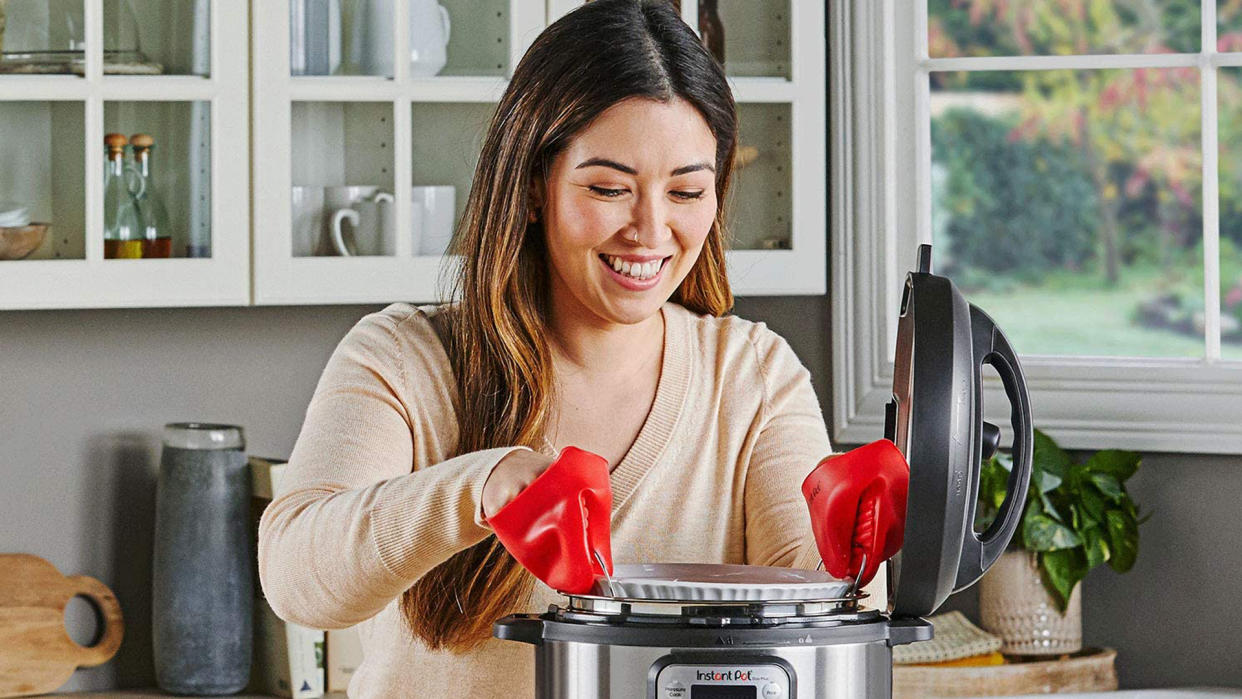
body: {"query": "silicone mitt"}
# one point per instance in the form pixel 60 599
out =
pixel 858 508
pixel 555 524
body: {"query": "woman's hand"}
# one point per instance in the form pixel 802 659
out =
pixel 858 508
pixel 559 526
pixel 510 476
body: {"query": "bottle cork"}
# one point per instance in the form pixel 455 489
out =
pixel 115 143
pixel 142 140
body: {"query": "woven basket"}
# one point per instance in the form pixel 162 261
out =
pixel 1091 670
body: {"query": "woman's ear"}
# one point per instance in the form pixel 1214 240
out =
pixel 535 199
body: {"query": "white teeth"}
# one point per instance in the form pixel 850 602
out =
pixel 636 270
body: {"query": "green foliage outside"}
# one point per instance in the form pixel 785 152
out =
pixel 1091 173
pixel 1075 516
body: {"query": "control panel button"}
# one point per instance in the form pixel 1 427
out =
pixel 773 691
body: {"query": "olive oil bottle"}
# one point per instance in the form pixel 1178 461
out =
pixel 122 235
pixel 152 215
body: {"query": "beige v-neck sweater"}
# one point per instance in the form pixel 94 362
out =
pixel 376 496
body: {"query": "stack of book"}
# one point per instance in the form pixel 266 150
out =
pixel 291 660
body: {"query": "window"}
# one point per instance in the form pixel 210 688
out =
pixel 1077 166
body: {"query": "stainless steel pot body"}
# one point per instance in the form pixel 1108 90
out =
pixel 576 670
pixel 837 657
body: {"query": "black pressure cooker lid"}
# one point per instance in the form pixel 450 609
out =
pixel 935 419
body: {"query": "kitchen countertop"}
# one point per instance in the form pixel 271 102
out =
pixel 141 693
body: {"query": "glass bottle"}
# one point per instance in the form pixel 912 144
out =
pixel 152 216
pixel 122 235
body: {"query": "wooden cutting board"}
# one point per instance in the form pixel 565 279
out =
pixel 36 653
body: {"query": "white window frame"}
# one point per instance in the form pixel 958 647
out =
pixel 880 199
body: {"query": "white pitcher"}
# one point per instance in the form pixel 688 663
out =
pixel 429 37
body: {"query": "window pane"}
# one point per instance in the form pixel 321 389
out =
pixel 1229 94
pixel 150 37
pixel 173 202
pixel 342 197
pixel 42 37
pixel 42 184
pixel 1228 25
pixel 1068 207
pixel 1060 27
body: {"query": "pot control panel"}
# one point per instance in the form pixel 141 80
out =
pixel 678 680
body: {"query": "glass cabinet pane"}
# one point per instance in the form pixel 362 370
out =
pixel 342 194
pixel 477 33
pixel 759 209
pixel 1069 204
pixel 170 197
pixel 152 37
pixel 447 138
pixel 341 37
pixel 753 37
pixel 42 37
pixel 42 182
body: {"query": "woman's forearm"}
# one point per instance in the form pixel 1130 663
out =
pixel 332 555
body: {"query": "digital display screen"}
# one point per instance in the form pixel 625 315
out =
pixel 716 691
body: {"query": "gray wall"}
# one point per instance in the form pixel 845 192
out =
pixel 84 394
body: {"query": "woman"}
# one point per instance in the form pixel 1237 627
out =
pixel 590 313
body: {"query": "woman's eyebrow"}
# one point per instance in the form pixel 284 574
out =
pixel 605 162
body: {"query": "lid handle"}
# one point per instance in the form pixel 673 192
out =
pixel 979 552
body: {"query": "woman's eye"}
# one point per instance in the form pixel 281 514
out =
pixel 688 195
pixel 603 191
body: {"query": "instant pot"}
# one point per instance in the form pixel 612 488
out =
pixel 702 631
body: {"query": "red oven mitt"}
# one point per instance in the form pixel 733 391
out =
pixel 555 524
pixel 858 507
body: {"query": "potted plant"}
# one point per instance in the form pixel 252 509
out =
pixel 1076 516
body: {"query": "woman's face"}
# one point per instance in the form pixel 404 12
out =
pixel 626 208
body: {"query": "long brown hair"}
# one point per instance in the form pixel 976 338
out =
pixel 593 57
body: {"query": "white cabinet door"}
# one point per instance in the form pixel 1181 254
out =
pixel 72 71
pixel 368 119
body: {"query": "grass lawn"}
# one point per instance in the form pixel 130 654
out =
pixel 1080 315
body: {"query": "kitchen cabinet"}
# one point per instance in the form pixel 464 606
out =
pixel 271 117
pixel 73 70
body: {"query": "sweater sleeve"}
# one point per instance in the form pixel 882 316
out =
pixel 356 521
pixel 792 440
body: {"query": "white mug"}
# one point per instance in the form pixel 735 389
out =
pixel 371 226
pixel 307 223
pixel 434 211
pixel 429 37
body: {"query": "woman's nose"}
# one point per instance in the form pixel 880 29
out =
pixel 650 220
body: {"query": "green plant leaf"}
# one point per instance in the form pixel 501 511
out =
pixel 1043 533
pixel 1049 508
pixel 1095 546
pixel 1114 462
pixel 1122 540
pixel 1047 457
pixel 1044 481
pixel 1108 484
pixel 1062 570
pixel 1093 505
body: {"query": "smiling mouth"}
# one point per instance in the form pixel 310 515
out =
pixel 637 271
